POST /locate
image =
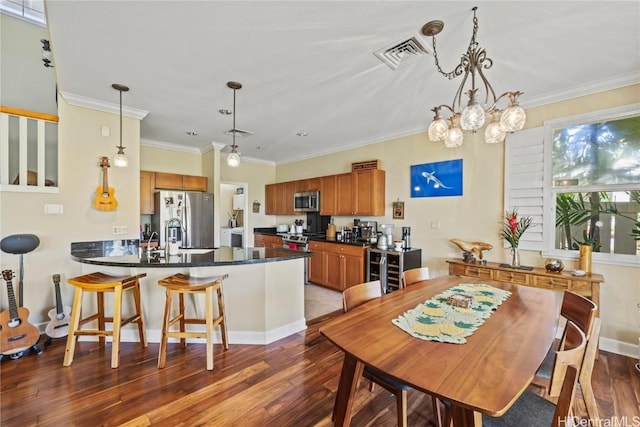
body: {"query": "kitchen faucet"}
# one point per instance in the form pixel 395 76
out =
pixel 150 238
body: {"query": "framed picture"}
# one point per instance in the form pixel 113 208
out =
pixel 398 210
pixel 437 179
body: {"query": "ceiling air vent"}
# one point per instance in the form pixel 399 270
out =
pixel 402 51
pixel 238 132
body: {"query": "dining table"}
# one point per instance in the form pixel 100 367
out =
pixel 484 375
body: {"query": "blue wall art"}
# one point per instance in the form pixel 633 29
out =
pixel 437 179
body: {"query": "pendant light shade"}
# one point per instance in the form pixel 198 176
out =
pixel 494 133
pixel 438 128
pixel 233 159
pixel 454 136
pixel 120 159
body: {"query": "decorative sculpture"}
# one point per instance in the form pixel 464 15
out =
pixel 471 249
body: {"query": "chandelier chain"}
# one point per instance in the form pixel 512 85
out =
pixel 460 68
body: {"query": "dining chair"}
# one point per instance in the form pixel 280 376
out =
pixel 525 410
pixel 532 410
pixel 581 311
pixel 353 297
pixel 414 275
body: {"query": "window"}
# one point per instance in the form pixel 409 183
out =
pixel 592 184
pixel 30 10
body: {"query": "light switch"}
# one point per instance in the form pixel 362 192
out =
pixel 105 131
pixel 53 209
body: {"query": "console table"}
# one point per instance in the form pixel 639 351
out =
pixel 587 285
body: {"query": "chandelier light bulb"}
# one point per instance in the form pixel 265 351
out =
pixel 454 136
pixel 438 129
pixel 494 133
pixel 513 118
pixel 473 114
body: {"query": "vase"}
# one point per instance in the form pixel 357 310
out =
pixel 586 252
pixel 515 257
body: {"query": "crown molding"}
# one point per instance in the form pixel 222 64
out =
pixel 582 89
pixel 107 107
pixel 170 146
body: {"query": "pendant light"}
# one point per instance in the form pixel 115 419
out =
pixel 120 159
pixel 233 159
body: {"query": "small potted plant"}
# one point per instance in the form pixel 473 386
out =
pixel 512 230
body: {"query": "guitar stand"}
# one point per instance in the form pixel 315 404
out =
pixel 15 356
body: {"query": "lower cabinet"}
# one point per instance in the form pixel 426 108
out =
pixel 267 241
pixel 336 266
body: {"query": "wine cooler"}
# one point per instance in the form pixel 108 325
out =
pixel 388 265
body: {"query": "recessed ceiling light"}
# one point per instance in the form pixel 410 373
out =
pixel 302 134
pixel 191 133
pixel 225 112
pixel 261 147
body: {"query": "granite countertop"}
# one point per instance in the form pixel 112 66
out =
pixel 126 253
pixel 271 231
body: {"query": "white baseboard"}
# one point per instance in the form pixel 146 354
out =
pixel 619 347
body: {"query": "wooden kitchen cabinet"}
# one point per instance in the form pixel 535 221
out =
pixel 328 195
pixel 336 266
pixel 361 193
pixel 279 198
pixel 267 241
pixel 270 199
pixel 173 181
pixel 147 187
pixel 588 285
pixel 290 189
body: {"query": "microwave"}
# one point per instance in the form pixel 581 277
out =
pixel 308 201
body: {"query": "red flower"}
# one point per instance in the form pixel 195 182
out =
pixel 514 228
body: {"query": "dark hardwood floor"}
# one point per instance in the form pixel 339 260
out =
pixel 291 382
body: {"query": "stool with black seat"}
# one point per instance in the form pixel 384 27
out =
pixel 182 284
pixel 101 283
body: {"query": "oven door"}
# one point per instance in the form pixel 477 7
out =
pixel 295 246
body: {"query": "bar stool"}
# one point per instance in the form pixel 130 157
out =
pixel 182 284
pixel 101 283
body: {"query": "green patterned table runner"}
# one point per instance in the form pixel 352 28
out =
pixel 436 320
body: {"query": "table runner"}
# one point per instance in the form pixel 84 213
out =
pixel 436 320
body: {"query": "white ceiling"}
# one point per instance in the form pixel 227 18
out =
pixel 308 66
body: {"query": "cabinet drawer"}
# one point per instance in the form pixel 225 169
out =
pixel 484 273
pixel 551 282
pixel 316 246
pixel 512 277
pixel 581 286
pixel 344 249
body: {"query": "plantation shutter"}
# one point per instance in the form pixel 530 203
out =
pixel 524 181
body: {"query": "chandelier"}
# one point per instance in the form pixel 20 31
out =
pixel 477 111
pixel 233 159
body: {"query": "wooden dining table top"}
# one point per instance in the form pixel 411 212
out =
pixel 486 374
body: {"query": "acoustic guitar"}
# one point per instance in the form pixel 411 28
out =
pixel 16 333
pixel 105 200
pixel 58 326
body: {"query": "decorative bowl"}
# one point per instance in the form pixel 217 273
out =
pixel 553 265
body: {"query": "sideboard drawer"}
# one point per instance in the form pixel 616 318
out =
pixel 581 286
pixel 511 277
pixel 483 273
pixel 551 282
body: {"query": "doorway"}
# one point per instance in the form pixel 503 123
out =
pixel 233 214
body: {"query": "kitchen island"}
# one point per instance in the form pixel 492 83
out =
pixel 264 293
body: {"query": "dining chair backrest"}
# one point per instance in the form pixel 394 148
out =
pixel 415 275
pixel 571 352
pixel 561 416
pixel 359 294
pixel 586 370
pixel 580 310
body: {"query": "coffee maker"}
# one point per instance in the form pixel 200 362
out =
pixel 406 237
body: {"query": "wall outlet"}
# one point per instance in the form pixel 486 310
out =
pixel 119 229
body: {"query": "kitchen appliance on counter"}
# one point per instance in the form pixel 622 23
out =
pixel 385 239
pixel 317 224
pixel 368 231
pixel 186 216
pixel 308 201
pixel 406 237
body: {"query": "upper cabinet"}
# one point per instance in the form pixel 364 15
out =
pixel 151 181
pixel 354 193
pixel 147 186
pixel 172 181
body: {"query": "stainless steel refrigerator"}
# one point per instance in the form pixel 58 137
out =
pixel 184 216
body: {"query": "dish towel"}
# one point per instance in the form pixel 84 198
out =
pixel 437 320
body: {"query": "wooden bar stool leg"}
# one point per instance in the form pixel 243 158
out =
pixel 209 326
pixel 183 329
pixel 73 327
pixel 101 318
pixel 162 357
pixel 140 321
pixel 117 326
pixel 223 322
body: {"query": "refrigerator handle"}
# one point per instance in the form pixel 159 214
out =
pixel 185 222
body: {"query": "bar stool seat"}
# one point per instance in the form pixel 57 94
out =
pixel 101 283
pixel 182 284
